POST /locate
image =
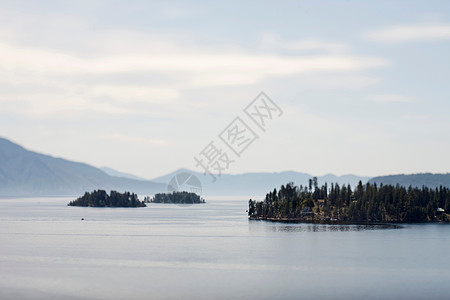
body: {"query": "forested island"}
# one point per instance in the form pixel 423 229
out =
pixel 100 198
pixel 367 203
pixel 179 197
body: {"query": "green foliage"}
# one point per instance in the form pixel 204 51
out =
pixel 367 203
pixel 178 198
pixel 99 198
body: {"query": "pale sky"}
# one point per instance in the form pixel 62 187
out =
pixel 143 87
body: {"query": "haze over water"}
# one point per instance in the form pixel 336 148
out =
pixel 209 251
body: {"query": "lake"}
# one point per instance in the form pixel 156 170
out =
pixel 210 251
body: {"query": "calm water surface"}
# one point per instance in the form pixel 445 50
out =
pixel 210 251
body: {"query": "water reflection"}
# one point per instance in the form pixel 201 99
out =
pixel 327 227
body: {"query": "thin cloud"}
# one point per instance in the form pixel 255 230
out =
pixel 393 98
pixel 410 33
pixel 136 139
pixel 72 69
pixel 202 61
pixel 270 41
pixel 57 71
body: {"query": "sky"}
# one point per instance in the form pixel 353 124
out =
pixel 145 86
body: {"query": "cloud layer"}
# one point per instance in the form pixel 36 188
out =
pixel 411 33
pixel 143 87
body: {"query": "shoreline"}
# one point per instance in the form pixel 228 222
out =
pixel 337 222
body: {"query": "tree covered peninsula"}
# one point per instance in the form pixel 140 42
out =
pixel 99 198
pixel 367 203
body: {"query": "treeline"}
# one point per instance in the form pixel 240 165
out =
pixel 367 203
pixel 100 198
pixel 181 197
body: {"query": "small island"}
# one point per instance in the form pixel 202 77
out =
pixel 367 203
pixel 100 198
pixel 181 197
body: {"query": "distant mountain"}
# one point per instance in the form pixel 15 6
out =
pixel 257 184
pixel 27 173
pixel 415 180
pixel 112 172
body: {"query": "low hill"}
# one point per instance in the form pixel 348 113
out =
pixel 415 180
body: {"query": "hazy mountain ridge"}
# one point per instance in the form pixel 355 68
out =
pixel 415 180
pixel 27 173
pixel 115 173
pixel 257 184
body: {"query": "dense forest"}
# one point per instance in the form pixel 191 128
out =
pixel 367 203
pixel 177 198
pixel 99 198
